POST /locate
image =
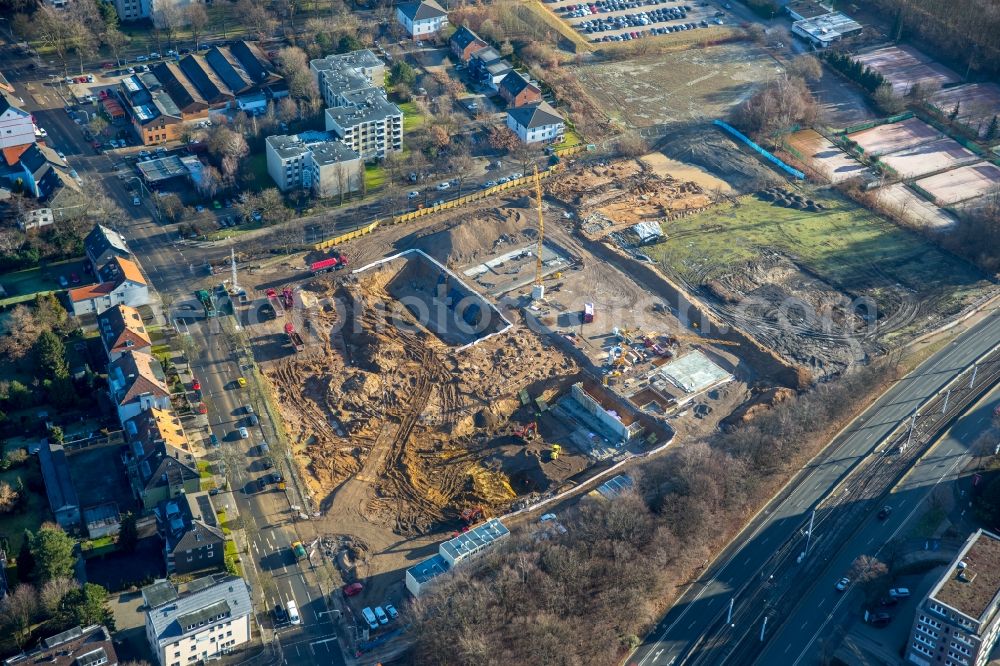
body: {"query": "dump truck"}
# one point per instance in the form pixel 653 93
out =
pixel 294 337
pixel 272 298
pixel 334 263
pixel 205 298
pixel 527 432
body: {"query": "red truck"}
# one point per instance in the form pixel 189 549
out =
pixel 294 337
pixel 334 263
pixel 272 297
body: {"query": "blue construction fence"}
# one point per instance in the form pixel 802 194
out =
pixel 794 173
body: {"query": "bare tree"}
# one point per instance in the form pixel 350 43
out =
pixel 53 592
pixel 18 609
pixel 115 40
pixel 8 497
pixel 806 67
pixel 197 21
pixel 870 573
pixel 22 331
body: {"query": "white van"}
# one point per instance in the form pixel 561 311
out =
pixel 293 612
pixel 370 618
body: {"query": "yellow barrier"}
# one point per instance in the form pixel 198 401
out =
pixel 343 238
pixel 454 203
pixel 571 150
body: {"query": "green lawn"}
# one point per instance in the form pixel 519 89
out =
pixel 257 168
pixel 22 286
pixel 855 251
pixel 374 177
pixel 570 138
pixel 412 118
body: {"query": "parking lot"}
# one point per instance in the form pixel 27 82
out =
pixel 625 20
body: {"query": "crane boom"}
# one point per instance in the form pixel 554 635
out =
pixel 541 228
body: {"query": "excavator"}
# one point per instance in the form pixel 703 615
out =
pixel 527 432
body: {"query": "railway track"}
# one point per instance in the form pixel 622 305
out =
pixel 773 590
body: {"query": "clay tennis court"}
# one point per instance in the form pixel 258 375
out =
pixel 963 183
pixel 824 157
pixel 977 104
pixel 913 207
pixel 904 66
pixel 943 153
pixel 886 139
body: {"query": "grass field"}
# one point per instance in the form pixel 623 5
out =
pixel 845 245
pixel 412 118
pixel 693 84
pixel 374 177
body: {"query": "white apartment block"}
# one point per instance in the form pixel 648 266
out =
pixel 198 622
pixel 367 123
pixel 957 623
pixel 314 161
pixel 347 72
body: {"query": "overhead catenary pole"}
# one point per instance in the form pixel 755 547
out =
pixel 729 616
pixel 975 369
pixel 232 259
pixel 809 534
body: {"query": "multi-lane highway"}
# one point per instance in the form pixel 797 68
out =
pixel 820 607
pixel 706 602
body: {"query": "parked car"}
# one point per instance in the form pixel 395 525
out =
pixel 280 616
pixel 884 512
pixel 369 617
pixel 842 584
pixel 244 434
pixel 443 186
pixel 353 589
pixel 413 195
pixel 252 419
pixel 899 593
pixel 63 282
pixel 380 614
pixel 391 610
pixel 888 601
pixel 136 201
pixel 881 619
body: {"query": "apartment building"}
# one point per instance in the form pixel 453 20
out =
pixel 535 123
pixel 316 161
pixel 199 621
pixel 345 73
pixel 368 124
pixel 421 19
pixel 957 623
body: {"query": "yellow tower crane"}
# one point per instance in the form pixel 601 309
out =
pixel 538 291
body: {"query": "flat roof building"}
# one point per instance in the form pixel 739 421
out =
pixel 801 10
pixel 367 123
pixel 453 552
pixel 824 30
pixel 957 623
pixel 316 161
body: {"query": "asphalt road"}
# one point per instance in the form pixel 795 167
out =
pixel 707 600
pixel 800 637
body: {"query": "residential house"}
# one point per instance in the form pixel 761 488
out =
pixel 367 123
pixel 488 67
pixel 157 457
pixel 102 245
pixel 192 537
pixel 199 621
pixel 59 488
pixel 121 283
pixel 421 19
pixel 519 91
pixel 16 125
pixel 137 384
pixel 79 646
pixel 35 219
pixel 315 161
pixel 39 176
pixel 122 330
pixel 535 123
pixel 464 43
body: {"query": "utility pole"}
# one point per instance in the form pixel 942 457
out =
pixel 909 435
pixel 809 534
pixel 762 628
pixel 729 616
pixel 975 369
pixel 232 259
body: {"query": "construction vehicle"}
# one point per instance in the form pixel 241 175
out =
pixel 294 337
pixel 527 432
pixel 588 313
pixel 538 291
pixel 472 514
pixel 205 297
pixel 554 452
pixel 299 550
pixel 335 263
pixel 286 296
pixel 272 297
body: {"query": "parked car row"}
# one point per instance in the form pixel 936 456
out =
pixel 605 6
pixel 637 34
pixel 379 616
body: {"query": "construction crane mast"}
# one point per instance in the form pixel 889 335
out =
pixel 539 289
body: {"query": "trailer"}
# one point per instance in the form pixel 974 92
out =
pixel 272 297
pixel 294 337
